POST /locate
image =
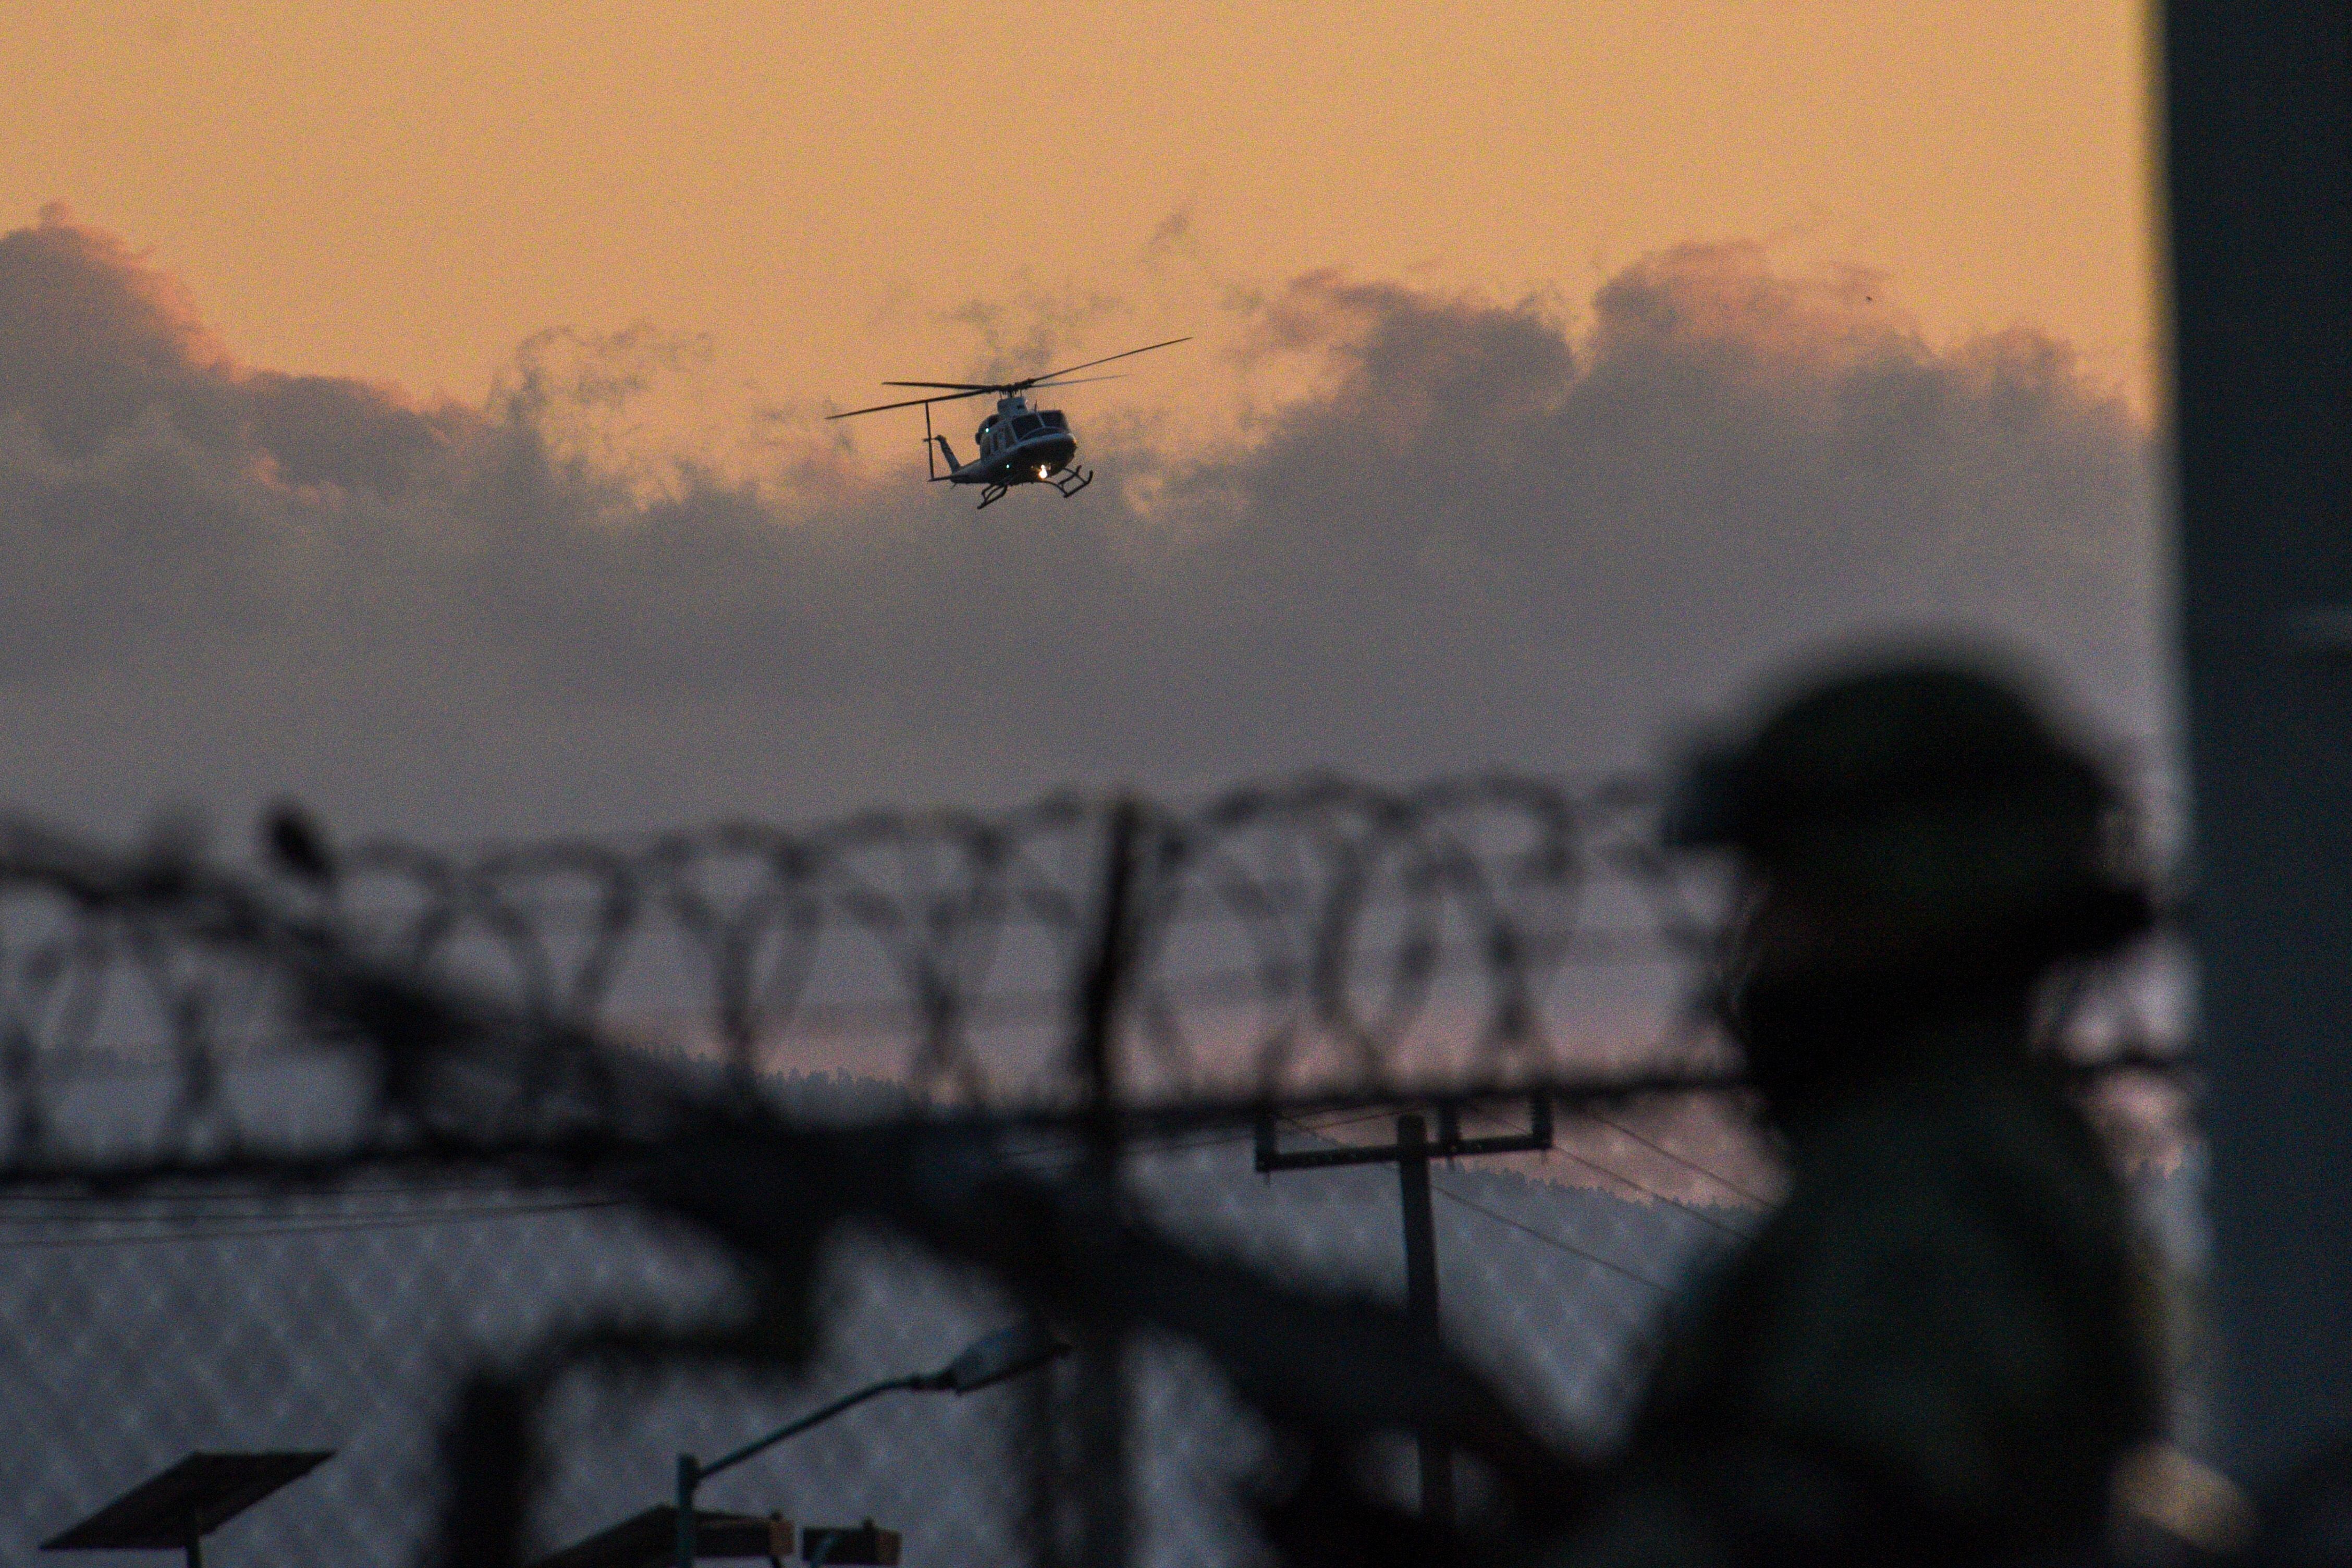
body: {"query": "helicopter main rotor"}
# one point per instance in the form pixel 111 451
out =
pixel 957 391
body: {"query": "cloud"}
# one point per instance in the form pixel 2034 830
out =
pixel 1031 330
pixel 94 343
pixel 1485 537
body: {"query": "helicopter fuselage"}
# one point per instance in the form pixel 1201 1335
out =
pixel 1018 446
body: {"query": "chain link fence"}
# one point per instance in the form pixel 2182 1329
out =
pixel 655 1146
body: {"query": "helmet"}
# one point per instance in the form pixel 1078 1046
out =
pixel 1928 802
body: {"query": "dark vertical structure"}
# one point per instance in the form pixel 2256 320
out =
pixel 1101 1396
pixel 2260 119
pixel 1436 1464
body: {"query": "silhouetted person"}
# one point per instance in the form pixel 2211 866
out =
pixel 1938 1348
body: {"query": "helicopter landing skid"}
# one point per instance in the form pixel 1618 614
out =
pixel 988 497
pixel 1071 480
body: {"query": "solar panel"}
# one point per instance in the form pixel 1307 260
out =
pixel 195 1497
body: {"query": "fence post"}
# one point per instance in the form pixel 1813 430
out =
pixel 1100 1397
pixel 1421 1298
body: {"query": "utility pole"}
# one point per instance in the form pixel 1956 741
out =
pixel 1411 1155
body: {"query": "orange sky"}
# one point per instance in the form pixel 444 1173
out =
pixel 405 191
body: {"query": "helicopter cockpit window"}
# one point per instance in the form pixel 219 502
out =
pixel 1026 426
pixel 1053 420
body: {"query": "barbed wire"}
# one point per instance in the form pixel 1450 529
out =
pixel 1317 935
pixel 1319 942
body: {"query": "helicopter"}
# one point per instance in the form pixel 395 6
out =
pixel 1018 444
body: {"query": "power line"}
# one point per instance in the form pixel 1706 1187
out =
pixel 1181 1145
pixel 1548 1238
pixel 1726 1183
pixel 1738 1231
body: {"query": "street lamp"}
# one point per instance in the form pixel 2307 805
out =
pixel 1008 1352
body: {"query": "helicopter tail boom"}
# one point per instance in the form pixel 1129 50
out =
pixel 945 450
